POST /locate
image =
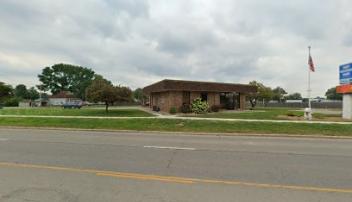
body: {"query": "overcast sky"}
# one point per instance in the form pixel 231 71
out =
pixel 136 43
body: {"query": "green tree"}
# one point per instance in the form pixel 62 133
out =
pixel 138 95
pixel 21 91
pixel 294 96
pixel 6 91
pixel 102 90
pixel 33 94
pixel 66 77
pixel 263 93
pixel 124 94
pixel 279 94
pixel 332 95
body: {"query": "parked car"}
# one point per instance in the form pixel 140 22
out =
pixel 72 105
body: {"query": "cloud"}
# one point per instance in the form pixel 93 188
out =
pixel 138 42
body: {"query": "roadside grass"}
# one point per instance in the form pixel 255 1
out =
pixel 171 125
pixel 258 113
pixel 268 114
pixel 56 111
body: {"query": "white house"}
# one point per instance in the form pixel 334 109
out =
pixel 62 98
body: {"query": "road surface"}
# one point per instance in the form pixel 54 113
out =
pixel 61 165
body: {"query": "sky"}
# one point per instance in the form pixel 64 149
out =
pixel 138 42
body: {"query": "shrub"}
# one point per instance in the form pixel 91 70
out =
pixel 173 110
pixel 12 102
pixel 199 107
pixel 215 108
pixel 186 108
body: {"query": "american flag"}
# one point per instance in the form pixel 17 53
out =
pixel 311 64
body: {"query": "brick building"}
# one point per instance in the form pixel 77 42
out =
pixel 166 94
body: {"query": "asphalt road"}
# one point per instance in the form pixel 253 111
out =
pixel 54 165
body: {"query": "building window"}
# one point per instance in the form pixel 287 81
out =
pixel 204 97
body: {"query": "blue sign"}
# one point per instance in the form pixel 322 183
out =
pixel 346 74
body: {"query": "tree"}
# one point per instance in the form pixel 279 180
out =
pixel 279 94
pixel 124 94
pixel 332 95
pixel 66 77
pixel 101 90
pixel 263 93
pixel 294 96
pixel 138 95
pixel 33 94
pixel 21 91
pixel 6 91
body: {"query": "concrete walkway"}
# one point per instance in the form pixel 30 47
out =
pixel 178 118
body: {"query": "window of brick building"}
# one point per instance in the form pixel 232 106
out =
pixel 204 96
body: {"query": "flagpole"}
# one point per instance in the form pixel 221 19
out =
pixel 309 90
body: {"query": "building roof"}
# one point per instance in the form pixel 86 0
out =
pixel 63 94
pixel 181 85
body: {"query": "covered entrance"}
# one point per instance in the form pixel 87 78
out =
pixel 230 101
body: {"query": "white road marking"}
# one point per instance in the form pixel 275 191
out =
pixel 4 139
pixel 173 148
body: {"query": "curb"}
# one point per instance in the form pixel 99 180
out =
pixel 270 135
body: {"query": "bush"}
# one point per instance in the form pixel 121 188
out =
pixel 186 108
pixel 12 102
pixel 173 110
pixel 199 107
pixel 215 108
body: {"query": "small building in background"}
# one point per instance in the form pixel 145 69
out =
pixel 40 102
pixel 25 103
pixel 167 94
pixel 63 97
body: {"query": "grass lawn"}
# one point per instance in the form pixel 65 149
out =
pixel 184 126
pixel 56 111
pixel 269 113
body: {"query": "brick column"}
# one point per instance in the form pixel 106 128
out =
pixel 242 101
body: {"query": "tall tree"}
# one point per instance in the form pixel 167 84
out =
pixel 21 91
pixel 66 77
pixel 101 90
pixel 279 94
pixel 263 93
pixel 33 94
pixel 138 95
pixel 124 94
pixel 6 91
pixel 332 95
pixel 294 96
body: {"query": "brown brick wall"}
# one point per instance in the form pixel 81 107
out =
pixel 175 100
pixel 211 99
pixel 242 101
pixel 161 100
pixel 217 99
pixel 166 100
pixel 194 95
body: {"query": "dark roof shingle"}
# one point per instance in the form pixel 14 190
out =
pixel 181 85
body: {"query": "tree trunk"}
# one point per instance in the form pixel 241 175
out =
pixel 253 102
pixel 106 107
